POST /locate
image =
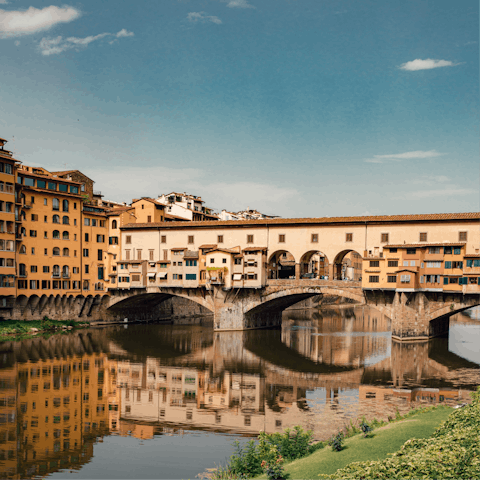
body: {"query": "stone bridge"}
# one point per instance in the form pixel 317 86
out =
pixel 415 315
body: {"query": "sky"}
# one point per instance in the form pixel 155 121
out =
pixel 298 108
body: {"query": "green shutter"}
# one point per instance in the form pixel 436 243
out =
pixel 476 263
pixel 460 264
pixel 448 264
pixel 469 263
pixel 445 280
pixel 456 251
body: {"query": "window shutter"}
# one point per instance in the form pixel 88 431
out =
pixel 469 263
pixel 445 280
pixel 460 264
pixel 448 265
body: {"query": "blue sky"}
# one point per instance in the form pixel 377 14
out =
pixel 294 107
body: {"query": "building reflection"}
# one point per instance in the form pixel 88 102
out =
pixel 59 396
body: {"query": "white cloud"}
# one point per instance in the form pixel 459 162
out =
pixel 54 46
pixel 404 156
pixel 449 192
pixel 3 2
pixel 426 64
pixel 239 4
pixel 201 17
pixel 16 23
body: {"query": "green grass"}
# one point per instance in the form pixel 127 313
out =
pixel 16 329
pixel 384 440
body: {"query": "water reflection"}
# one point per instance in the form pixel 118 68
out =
pixel 60 396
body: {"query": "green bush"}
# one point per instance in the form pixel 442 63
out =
pixel 452 452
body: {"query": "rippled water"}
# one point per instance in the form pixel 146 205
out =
pixel 166 401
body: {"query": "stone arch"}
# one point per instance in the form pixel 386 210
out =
pixel 281 264
pixel 33 302
pixel 347 265
pixel 314 262
pixel 281 299
pixel 42 303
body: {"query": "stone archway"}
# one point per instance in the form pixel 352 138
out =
pixel 282 264
pixel 314 264
pixel 347 265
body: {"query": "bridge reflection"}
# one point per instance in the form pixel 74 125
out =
pixel 59 396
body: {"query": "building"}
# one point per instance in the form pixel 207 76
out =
pixel 186 206
pixel 9 220
pixel 247 214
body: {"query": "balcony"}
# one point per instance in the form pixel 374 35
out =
pixel 22 275
pixel 65 275
pixel 56 275
pixel 97 193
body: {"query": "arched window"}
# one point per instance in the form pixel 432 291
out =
pixel 56 270
pixel 56 234
pixel 23 231
pixel 23 249
pixel 22 270
pixel 65 205
pixel 56 251
pixel 66 220
pixel 65 271
pixel 56 219
pixel 66 252
pixel 56 204
pixel 114 224
pixel 65 235
pixel 85 285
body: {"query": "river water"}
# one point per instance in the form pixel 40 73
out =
pixel 167 401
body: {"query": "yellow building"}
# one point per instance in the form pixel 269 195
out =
pixel 8 217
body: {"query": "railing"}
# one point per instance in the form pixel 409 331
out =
pixel 56 275
pixel 65 275
pixel 97 192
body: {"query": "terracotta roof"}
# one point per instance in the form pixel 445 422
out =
pixel 420 245
pixel 45 176
pixel 208 246
pixel 163 261
pixel 406 269
pixel 225 250
pixel 178 249
pixel 472 255
pixel 176 217
pixel 65 172
pixel 253 249
pixel 191 254
pixel 372 219
pixel 148 199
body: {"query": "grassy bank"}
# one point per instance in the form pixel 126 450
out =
pixel 20 329
pixel 383 440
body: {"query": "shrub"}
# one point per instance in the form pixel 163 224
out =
pixel 337 442
pixel 365 427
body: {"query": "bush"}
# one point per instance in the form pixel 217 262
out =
pixel 337 442
pixel 453 452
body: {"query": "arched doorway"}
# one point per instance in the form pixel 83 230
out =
pixel 348 266
pixel 281 265
pixel 314 264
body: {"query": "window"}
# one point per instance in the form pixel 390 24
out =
pixel 56 251
pixel 281 238
pixel 100 238
pixel 150 254
pixel 191 276
pixel 212 260
pixel 190 263
pixel 462 236
pixel 85 252
pixel 349 237
pixel 434 250
pixel 423 236
pixel 113 241
pixel 139 254
pixel 384 238
pixel 457 251
pixel 128 239
pixel 34 217
pixel 56 204
pixel 87 269
pixel 447 250
pixel 66 252
pixel 412 263
pixel 249 238
pixel 191 239
pixel 373 278
pixel 33 233
pixel 46 269
pixel 314 238
pixel 149 218
pixel 86 285
pixel 433 264
pixel 224 260
pixel 392 279
pixel 393 263
pixel 86 222
pixel 238 261
pixel 56 234
pixel 127 254
pixel 411 251
pixel 405 278
pixel 65 235
pixel 94 222
pixel 374 263
pixel 56 219
pixel 65 220
pixel 65 205
pixel 163 239
pixel 86 237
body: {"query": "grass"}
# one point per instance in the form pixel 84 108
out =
pixel 20 329
pixel 384 440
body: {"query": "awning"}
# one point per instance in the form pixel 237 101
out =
pixel 162 275
pixel 151 275
pixel 237 276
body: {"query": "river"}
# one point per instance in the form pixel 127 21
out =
pixel 167 401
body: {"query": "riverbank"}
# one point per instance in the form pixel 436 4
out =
pixel 440 442
pixel 383 441
pixel 20 329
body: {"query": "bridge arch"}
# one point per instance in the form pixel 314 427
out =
pixel 347 265
pixel 281 264
pixel 314 262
